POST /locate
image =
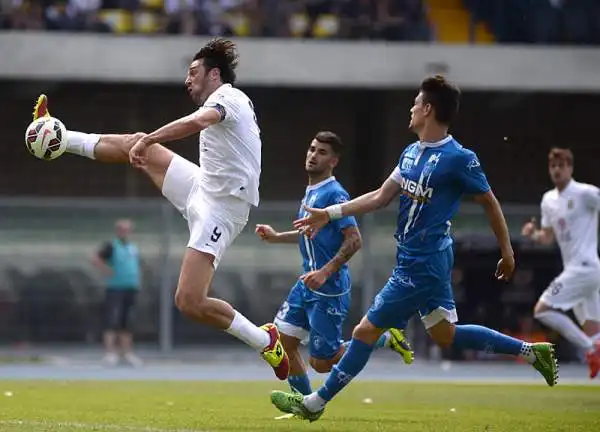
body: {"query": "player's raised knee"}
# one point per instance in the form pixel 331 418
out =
pixel 442 333
pixel 191 304
pixel 366 332
pixel 321 365
pixel 539 308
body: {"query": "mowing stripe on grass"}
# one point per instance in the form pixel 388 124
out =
pixel 91 426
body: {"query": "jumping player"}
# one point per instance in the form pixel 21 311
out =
pixel 318 304
pixel 432 175
pixel 570 217
pixel 215 198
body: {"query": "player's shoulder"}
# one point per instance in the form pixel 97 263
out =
pixel 460 156
pixel 583 188
pixel 228 93
pixel 327 193
pixel 338 189
pixel 333 189
pixel 456 149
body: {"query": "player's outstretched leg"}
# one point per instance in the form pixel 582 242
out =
pixel 311 407
pixel 540 355
pixel 569 329
pixel 110 148
pixel 191 298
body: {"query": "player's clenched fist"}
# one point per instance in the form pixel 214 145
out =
pixel 528 228
pixel 266 233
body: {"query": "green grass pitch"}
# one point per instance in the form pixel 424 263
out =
pixel 137 406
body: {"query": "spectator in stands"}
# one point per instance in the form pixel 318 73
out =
pixel 402 20
pixel 119 260
pixel 84 14
pixel 182 16
pixel 23 14
pixel 359 19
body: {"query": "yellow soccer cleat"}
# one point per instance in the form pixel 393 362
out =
pixel 41 107
pixel 400 344
pixel 274 354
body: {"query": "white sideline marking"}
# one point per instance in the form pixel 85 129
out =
pixel 92 426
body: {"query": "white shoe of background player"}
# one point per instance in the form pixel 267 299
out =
pixel 111 359
pixel 133 360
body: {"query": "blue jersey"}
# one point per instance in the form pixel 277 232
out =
pixel 433 177
pixel 319 251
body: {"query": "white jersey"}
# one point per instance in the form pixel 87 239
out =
pixel 573 216
pixel 230 151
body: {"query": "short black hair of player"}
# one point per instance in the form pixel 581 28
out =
pixel 443 96
pixel 558 155
pixel 220 54
pixel 331 138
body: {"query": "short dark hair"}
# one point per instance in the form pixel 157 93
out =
pixel 560 155
pixel 331 138
pixel 220 54
pixel 443 96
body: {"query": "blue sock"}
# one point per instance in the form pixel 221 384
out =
pixel 301 383
pixel 352 362
pixel 484 339
pixel 379 344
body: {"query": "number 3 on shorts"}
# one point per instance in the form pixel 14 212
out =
pixel 216 235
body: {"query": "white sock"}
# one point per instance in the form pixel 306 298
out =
pixel 527 353
pixel 387 337
pixel 243 329
pixel 595 338
pixel 566 327
pixel 313 402
pixel 82 144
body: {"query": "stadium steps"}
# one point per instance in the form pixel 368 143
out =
pixel 452 22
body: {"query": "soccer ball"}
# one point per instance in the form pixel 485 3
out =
pixel 46 138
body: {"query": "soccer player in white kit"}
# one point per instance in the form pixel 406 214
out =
pixel 570 217
pixel 215 198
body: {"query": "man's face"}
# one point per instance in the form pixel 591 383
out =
pixel 418 113
pixel 123 229
pixel 196 81
pixel 320 158
pixel 560 172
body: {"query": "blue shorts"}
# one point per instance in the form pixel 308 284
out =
pixel 314 319
pixel 419 284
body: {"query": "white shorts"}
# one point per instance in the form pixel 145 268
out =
pixel 576 288
pixel 214 223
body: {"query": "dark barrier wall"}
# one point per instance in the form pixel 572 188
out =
pixel 512 133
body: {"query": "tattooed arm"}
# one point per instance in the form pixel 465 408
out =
pixel 351 244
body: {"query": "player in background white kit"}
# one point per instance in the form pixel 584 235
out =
pixel 215 197
pixel 570 217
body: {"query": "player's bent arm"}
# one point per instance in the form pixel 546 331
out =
pixel 368 202
pixel 351 244
pixel 288 237
pixel 543 236
pixel 185 126
pixel 492 208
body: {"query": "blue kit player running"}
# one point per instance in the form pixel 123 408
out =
pixel 432 175
pixel 318 304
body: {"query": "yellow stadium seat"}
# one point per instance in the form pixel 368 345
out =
pixel 298 24
pixel 326 25
pixel 120 21
pixel 146 22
